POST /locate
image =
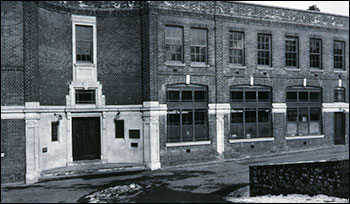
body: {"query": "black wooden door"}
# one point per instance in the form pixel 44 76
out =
pixel 86 138
pixel 339 128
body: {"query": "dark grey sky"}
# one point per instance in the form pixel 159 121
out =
pixel 333 7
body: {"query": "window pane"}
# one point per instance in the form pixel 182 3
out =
pixel 250 96
pixel 237 116
pixel 264 124
pixel 186 96
pixel 54 131
pixel 303 96
pixel 315 96
pixel 264 96
pixel 187 125
pixel 237 96
pixel 200 96
pixel 119 128
pixel 173 118
pixel 303 121
pixel 291 96
pixel 84 45
pixel 250 115
pixel 173 96
pixel 200 124
pixel 250 122
pixel 315 121
pixel 292 122
pixel 263 115
pixel 237 128
pixel 173 121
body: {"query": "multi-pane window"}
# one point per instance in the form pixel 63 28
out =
pixel 264 49
pixel 251 112
pixel 236 48
pixel 174 43
pixel 187 117
pixel 84 43
pixel 339 94
pixel 304 111
pixel 198 45
pixel 85 96
pixel 54 131
pixel 339 55
pixel 315 53
pixel 292 56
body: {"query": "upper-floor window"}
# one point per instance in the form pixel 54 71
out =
pixel 292 55
pixel 264 49
pixel 339 94
pixel 174 43
pixel 236 48
pixel 339 55
pixel 84 43
pixel 199 45
pixel 316 53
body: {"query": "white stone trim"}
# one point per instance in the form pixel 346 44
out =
pixel 264 139
pixel 70 99
pixel 219 108
pixel 279 107
pixel 335 107
pixel 304 137
pixel 179 144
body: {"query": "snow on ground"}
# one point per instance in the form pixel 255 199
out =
pixel 115 194
pixel 242 196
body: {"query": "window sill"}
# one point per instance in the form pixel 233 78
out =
pixel 339 71
pixel 237 66
pixel 179 144
pixel 263 139
pixel 264 67
pixel 292 69
pixel 304 137
pixel 316 70
pixel 84 65
pixel 199 65
pixel 175 64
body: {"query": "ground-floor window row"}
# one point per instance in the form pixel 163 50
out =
pixel 250 115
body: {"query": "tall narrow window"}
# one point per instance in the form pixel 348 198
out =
pixel 187 118
pixel 84 43
pixel 251 112
pixel 236 48
pixel 339 55
pixel 198 45
pixel 316 53
pixel 174 43
pixel 119 128
pixel 264 49
pixel 304 111
pixel 292 57
pixel 54 131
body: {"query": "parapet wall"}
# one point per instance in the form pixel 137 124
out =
pixel 312 178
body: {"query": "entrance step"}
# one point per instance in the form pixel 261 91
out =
pixel 89 168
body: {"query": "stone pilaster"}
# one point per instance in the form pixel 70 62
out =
pixel 279 111
pixel 151 112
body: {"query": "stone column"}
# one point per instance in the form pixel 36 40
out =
pixel 220 110
pixel 32 124
pixel 151 112
pixel 279 111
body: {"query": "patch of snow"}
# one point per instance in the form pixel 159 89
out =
pixel 119 193
pixel 242 196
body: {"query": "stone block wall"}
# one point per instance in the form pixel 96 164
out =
pixel 312 178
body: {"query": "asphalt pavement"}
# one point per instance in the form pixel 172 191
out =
pixel 207 182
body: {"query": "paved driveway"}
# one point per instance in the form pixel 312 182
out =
pixel 209 182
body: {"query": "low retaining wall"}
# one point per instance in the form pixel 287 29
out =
pixel 312 178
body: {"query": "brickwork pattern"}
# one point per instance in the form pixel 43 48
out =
pixel 119 59
pixel 13 164
pixel 12 89
pixel 328 178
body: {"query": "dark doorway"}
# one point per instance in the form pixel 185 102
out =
pixel 339 128
pixel 86 138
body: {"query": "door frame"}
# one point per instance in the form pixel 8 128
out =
pixel 344 124
pixel 70 116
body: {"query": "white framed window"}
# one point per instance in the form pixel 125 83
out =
pixel 84 42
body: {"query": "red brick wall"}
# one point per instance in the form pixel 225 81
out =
pixel 13 164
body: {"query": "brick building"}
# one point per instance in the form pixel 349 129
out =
pixel 166 82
